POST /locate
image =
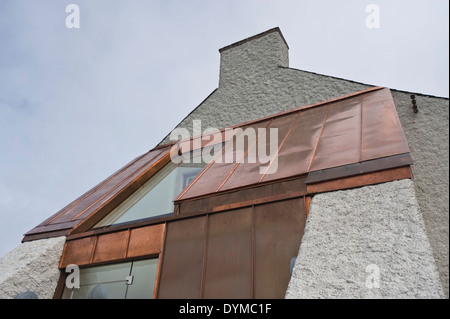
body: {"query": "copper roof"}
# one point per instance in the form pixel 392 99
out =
pixel 352 129
pixel 349 130
pixel 98 197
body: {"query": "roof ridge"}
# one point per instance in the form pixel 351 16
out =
pixel 363 83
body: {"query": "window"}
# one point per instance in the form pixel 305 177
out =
pixel 155 197
pixel 129 280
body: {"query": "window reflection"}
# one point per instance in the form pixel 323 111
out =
pixel 155 197
pixel 111 281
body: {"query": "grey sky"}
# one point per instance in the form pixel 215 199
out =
pixel 78 104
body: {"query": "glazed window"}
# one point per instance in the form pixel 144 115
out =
pixel 130 280
pixel 155 197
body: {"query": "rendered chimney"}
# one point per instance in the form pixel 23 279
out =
pixel 252 58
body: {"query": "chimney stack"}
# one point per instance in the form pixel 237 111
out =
pixel 250 59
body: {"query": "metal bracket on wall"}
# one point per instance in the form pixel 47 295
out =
pixel 129 280
pixel 413 100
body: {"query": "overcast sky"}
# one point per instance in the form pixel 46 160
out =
pixel 78 104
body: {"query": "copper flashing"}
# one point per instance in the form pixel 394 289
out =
pixel 359 168
pixel 121 245
pixel 106 194
pixel 372 178
pixel 350 130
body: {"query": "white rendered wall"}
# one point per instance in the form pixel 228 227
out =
pixel 427 133
pixel 367 242
pixel 32 266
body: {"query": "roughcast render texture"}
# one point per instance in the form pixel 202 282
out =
pixel 32 266
pixel 367 242
pixel 427 133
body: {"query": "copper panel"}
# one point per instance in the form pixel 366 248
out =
pixel 307 205
pixel 274 198
pixel 359 168
pixel 361 180
pixel 228 271
pixel 192 206
pixel 83 206
pixel 118 184
pixel 78 252
pixel 248 171
pixel 214 175
pixel 181 271
pixel 51 228
pixel 295 155
pixel 279 229
pixel 102 208
pixel 108 186
pixel 344 131
pixel 52 234
pixel 146 241
pixel 245 197
pixel 339 142
pixel 111 247
pixel 382 133
pixel 206 139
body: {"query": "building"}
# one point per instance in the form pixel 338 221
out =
pixel 346 197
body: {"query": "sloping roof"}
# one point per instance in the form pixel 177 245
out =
pixel 314 140
pixel 101 197
pixel 348 130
